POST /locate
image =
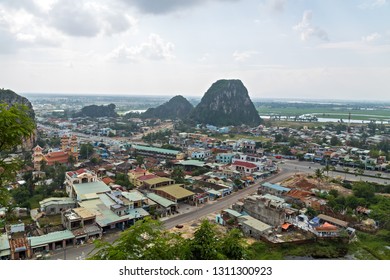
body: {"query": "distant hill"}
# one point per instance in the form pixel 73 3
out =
pixel 225 103
pixel 9 97
pixel 176 108
pixel 95 111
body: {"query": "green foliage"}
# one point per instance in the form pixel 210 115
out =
pixel 146 240
pixel 233 245
pixel 176 108
pixel 95 111
pixel 311 212
pixel 204 245
pixel 178 175
pixel 15 126
pixel 381 212
pixel 364 190
pixel 162 135
pixel 140 160
pixel 226 102
pixel 86 151
pixel 123 180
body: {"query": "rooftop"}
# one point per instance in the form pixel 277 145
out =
pixel 155 150
pixel 275 187
pixel 333 220
pixel 84 190
pixel 55 200
pixel 84 213
pixel 254 223
pixel 4 245
pixel 104 216
pixel 158 180
pixel 36 241
pixel 245 164
pixel 196 163
pixel 133 195
pixel 176 191
pixel 160 200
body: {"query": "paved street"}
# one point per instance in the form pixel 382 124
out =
pixel 287 169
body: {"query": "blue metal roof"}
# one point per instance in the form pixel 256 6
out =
pixel 275 187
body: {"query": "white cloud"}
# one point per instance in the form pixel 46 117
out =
pixel 277 6
pixel 155 48
pixel 372 4
pixel 167 6
pixel 23 29
pixel 89 18
pixel 243 56
pixel 357 46
pixel 307 30
pixel 371 38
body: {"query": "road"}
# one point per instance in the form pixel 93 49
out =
pixel 81 252
pixel 287 169
pixel 296 166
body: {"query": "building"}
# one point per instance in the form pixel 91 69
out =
pixel 225 158
pixel 82 223
pixel 112 210
pixel 69 150
pixel 83 184
pixel 158 182
pixel 164 207
pixel 274 189
pixel 269 209
pixel 254 228
pixel 245 168
pixel 5 249
pixel 175 193
pixel 157 152
pixel 55 205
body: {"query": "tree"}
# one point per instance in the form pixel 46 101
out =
pixel 334 141
pixel 205 244
pixel 178 175
pixel 15 126
pixel 233 245
pixel 346 170
pixel 319 175
pixel 140 160
pixel 86 151
pixel 146 240
pixel 364 190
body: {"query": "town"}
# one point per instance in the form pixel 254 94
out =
pixel 88 178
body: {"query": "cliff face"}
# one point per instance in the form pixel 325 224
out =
pixel 9 97
pixel 225 103
pixel 176 108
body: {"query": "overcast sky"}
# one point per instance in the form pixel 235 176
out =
pixel 278 48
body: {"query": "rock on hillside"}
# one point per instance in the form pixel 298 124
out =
pixel 176 108
pixel 225 103
pixel 9 97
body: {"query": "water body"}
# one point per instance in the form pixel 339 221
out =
pixel 334 120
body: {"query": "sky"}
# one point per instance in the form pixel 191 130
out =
pixel 303 49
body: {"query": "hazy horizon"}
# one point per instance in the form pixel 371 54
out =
pixel 279 48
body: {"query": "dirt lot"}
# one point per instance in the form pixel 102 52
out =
pixel 304 183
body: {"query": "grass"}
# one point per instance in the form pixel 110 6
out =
pixel 370 246
pixel 53 220
pixel 337 113
pixel 320 249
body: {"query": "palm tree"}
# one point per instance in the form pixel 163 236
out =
pixel 318 174
pixel 346 170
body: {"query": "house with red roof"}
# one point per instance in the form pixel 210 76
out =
pixel 245 168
